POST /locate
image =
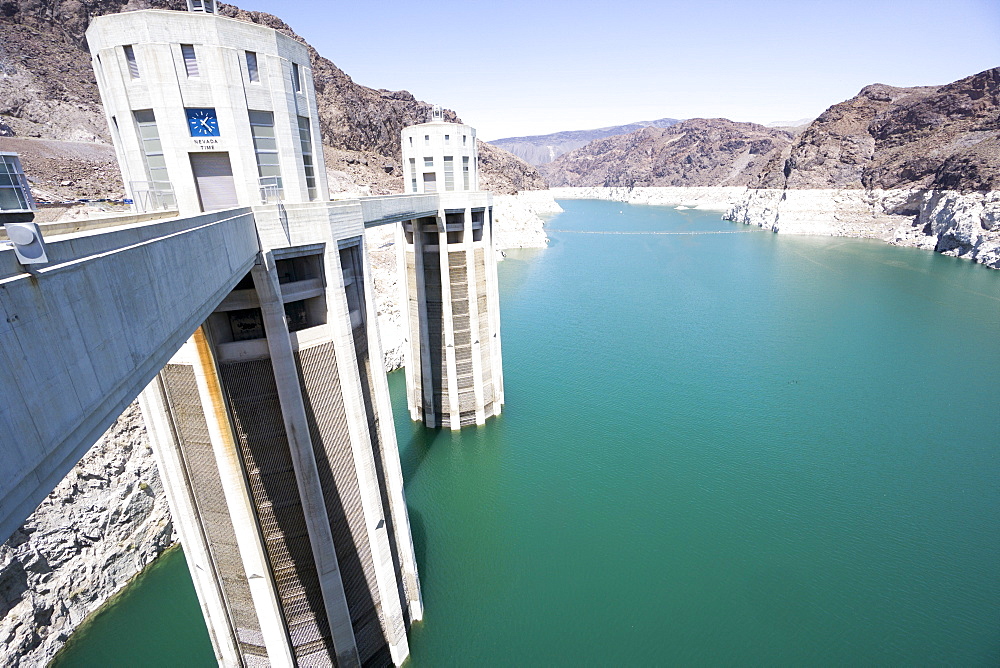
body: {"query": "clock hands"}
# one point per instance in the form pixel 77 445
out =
pixel 203 122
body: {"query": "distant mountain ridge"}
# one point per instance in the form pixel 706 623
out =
pixel 885 137
pixel 695 152
pixel 540 149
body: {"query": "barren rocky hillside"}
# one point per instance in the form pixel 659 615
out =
pixel 926 137
pixel 696 152
pixel 931 137
pixel 47 90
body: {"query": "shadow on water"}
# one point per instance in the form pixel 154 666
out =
pixel 415 452
pixel 419 534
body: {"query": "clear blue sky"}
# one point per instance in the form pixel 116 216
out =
pixel 520 68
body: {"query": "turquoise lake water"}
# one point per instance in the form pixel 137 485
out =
pixel 733 449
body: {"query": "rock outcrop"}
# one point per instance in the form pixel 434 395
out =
pixel 505 174
pixel 519 219
pixel 914 166
pixel 67 170
pixel 962 224
pixel 928 137
pixel 47 86
pixel 696 152
pixel 105 522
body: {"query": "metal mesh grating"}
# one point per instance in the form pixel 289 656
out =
pixel 331 439
pixel 415 334
pixel 213 510
pixel 486 342
pixel 433 399
pixel 253 399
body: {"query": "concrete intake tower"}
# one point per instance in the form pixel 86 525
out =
pixel 454 375
pixel 236 302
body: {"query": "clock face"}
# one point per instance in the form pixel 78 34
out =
pixel 203 122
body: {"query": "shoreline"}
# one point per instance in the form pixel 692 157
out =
pixel 117 597
pixel 98 530
pixel 965 225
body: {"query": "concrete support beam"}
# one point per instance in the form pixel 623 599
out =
pixel 183 510
pixel 393 471
pixel 251 545
pixel 81 336
pixel 422 364
pixel 493 301
pixel 361 450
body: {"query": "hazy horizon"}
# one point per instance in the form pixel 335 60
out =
pixel 537 68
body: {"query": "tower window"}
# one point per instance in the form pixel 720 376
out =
pixel 449 173
pixel 296 78
pixel 252 70
pixel 413 172
pixel 190 60
pixel 430 182
pixel 428 161
pixel 447 139
pixel 351 263
pixel 247 324
pixel 305 139
pixel 297 315
pixel 266 148
pixel 427 140
pixel 133 65
pixel 299 268
pixel 465 172
pixel 152 150
pixel 464 137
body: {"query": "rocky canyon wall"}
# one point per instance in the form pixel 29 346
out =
pixel 962 224
pixel 916 166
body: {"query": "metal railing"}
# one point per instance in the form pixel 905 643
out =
pixel 270 189
pixel 152 196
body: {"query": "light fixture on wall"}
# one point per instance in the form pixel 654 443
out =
pixel 28 244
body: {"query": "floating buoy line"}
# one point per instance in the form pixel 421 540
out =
pixel 679 234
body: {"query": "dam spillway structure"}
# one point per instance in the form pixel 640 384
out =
pixel 272 424
pixel 448 274
pixel 235 301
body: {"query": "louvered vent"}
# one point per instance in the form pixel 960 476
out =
pixel 190 61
